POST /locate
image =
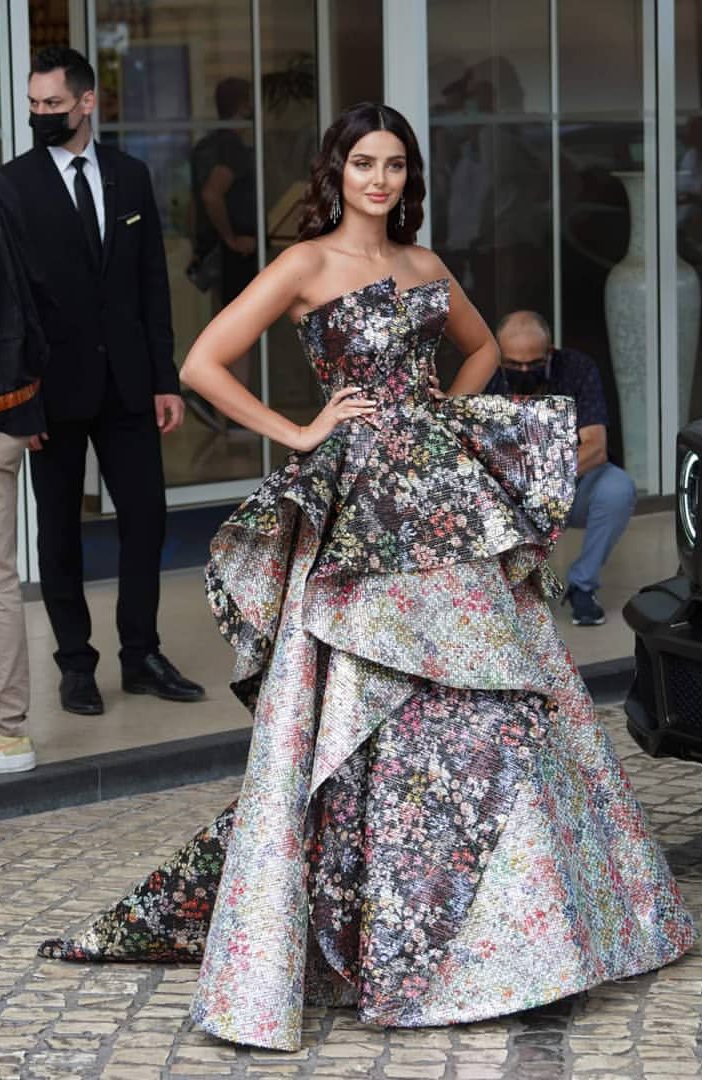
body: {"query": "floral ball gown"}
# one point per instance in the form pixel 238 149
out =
pixel 432 826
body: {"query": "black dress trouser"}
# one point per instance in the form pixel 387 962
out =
pixel 128 448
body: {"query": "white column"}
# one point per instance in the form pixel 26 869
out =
pixel 19 52
pixel 325 93
pixel 555 174
pixel 17 137
pixel 651 252
pixel 406 78
pixel 5 83
pixel 261 229
pixel 667 251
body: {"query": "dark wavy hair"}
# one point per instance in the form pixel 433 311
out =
pixel 327 171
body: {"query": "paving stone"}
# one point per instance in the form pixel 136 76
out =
pixel 198 1070
pixel 86 1027
pixel 9 1043
pixel 145 1055
pixel 48 1000
pixel 403 1055
pixel 284 1070
pixel 408 1072
pixel 484 1055
pixel 346 1069
pixel 273 1056
pixel 680 1069
pixel 161 1024
pixel 421 1040
pixel 122 1072
pixel 606 1075
pixel 583 1044
pixel 208 1053
pixel 12 1015
pixel 477 1072
pixel 71 1042
pixel 485 1038
pixel 585 1062
pixel 144 1038
pixel 348 1050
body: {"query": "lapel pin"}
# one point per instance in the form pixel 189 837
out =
pixel 133 219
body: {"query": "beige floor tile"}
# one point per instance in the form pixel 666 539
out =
pixel 645 553
pixel 190 640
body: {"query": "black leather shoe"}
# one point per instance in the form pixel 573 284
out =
pixel 157 676
pixel 79 693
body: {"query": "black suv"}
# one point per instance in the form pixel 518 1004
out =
pixel 664 706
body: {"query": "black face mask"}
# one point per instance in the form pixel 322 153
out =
pixel 52 129
pixel 532 381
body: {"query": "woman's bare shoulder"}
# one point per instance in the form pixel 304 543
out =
pixel 302 259
pixel 426 263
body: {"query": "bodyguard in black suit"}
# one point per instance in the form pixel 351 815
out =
pixel 90 213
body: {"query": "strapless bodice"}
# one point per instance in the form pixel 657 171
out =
pixel 378 337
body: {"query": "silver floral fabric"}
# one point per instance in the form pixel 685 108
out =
pixel 432 825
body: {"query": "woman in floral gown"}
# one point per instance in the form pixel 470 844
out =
pixel 432 825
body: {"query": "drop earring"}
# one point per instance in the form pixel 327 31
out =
pixel 335 209
pixel 402 212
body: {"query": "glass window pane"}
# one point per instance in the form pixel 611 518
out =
pixel 688 53
pixel 604 280
pixel 290 117
pixel 5 96
pixel 288 63
pixel 491 153
pixel 356 52
pixel 175 90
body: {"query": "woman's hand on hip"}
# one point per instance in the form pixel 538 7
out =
pixel 342 406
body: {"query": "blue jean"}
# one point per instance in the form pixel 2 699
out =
pixel 604 501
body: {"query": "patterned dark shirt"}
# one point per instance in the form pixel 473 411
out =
pixel 574 374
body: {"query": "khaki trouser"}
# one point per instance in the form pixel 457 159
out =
pixel 14 661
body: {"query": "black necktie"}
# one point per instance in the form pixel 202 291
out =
pixel 86 209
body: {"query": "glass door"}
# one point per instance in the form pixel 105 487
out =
pixel 543 181
pixel 176 89
pixel 491 157
pixel 608 211
pixel 688 208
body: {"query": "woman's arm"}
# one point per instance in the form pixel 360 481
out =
pixel 233 332
pixel 468 331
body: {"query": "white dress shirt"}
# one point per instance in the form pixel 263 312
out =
pixel 63 159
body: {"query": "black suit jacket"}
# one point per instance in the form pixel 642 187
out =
pixel 23 349
pixel 116 315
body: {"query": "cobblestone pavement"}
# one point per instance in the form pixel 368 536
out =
pixel 130 1022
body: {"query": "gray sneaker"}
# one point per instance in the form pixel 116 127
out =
pixel 586 610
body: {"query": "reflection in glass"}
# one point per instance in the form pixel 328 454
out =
pixel 356 47
pixel 688 51
pixel 491 153
pixel 290 97
pixel 288 63
pixel 601 139
pixel 175 91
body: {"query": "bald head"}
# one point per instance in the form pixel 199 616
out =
pixel 523 336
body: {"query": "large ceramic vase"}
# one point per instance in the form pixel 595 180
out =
pixel 625 312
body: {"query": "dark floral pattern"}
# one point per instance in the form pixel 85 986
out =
pixel 166 917
pixel 397 840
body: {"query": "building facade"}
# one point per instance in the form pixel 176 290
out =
pixel 563 147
